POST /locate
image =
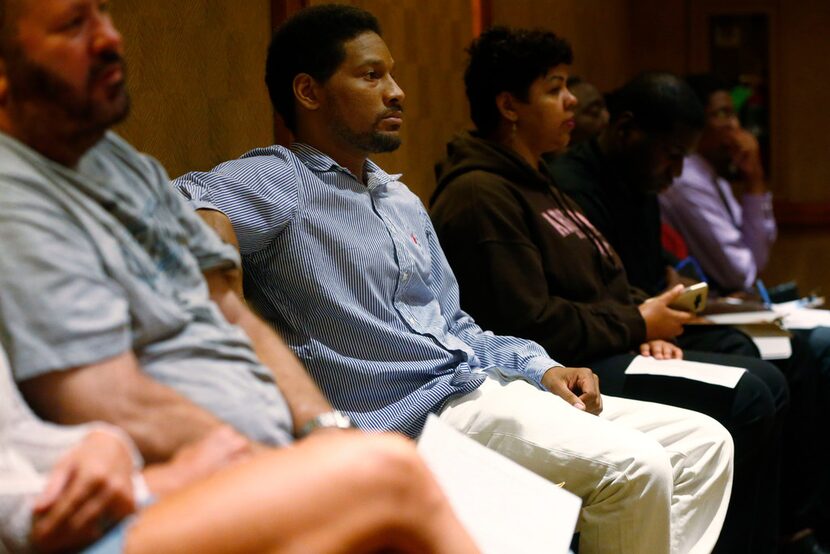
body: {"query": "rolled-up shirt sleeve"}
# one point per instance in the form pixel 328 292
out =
pixel 61 307
pixel 260 199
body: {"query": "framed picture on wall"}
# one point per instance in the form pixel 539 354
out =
pixel 735 40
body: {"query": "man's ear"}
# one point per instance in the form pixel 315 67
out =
pixel 306 91
pixel 506 104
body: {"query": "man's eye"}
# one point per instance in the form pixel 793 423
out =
pixel 372 75
pixel 73 23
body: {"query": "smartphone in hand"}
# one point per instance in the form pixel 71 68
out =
pixel 692 299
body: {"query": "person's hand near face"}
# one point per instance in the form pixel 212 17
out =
pixel 746 157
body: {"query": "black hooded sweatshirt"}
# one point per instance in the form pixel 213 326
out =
pixel 529 264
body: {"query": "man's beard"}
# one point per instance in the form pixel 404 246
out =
pixel 33 84
pixel 373 141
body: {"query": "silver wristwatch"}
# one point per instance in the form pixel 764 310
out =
pixel 326 420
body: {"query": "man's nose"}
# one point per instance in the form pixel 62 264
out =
pixel 571 101
pixel 394 93
pixel 106 36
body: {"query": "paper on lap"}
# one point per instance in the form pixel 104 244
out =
pixel 506 508
pixel 714 374
pixel 744 318
pixel 792 315
pixel 805 318
pixel 773 342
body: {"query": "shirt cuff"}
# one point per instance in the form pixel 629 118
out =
pixel 537 367
pixel 135 455
pixel 141 492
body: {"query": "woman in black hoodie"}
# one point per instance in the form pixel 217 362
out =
pixel 531 265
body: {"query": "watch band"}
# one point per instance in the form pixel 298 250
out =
pixel 327 420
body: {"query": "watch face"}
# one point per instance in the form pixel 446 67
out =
pixel 327 420
pixel 342 419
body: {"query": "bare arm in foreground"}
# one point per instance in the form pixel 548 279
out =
pixel 159 420
pixel 331 493
pixel 304 399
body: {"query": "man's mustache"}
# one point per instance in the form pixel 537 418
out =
pixel 393 111
pixel 105 62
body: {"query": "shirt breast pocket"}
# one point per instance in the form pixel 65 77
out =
pixel 419 250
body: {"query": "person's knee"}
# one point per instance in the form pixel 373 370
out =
pixel 774 380
pixel 818 342
pixel 709 444
pixel 389 465
pixel 755 404
pixel 643 472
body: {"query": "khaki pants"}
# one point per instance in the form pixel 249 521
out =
pixel 653 479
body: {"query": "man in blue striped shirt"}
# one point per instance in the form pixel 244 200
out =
pixel 342 258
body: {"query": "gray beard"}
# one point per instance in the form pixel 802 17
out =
pixel 31 83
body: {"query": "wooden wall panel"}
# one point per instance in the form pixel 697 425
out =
pixel 659 35
pixel 427 41
pixel 804 121
pixel 597 29
pixel 800 255
pixel 196 72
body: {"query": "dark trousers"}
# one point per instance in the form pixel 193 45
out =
pixel 752 412
pixel 818 345
pixel 806 445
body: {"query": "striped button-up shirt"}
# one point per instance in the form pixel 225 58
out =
pixel 353 277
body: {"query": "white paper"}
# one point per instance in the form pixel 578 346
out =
pixel 744 318
pixel 714 374
pixel 773 348
pixel 762 327
pixel 506 508
pixel 806 318
pixel 773 343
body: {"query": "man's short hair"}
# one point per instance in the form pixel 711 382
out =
pixel 311 42
pixel 705 85
pixel 508 60
pixel 658 101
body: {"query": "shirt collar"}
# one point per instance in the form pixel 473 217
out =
pixel 696 162
pixel 319 162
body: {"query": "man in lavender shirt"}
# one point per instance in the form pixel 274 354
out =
pixel 730 239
